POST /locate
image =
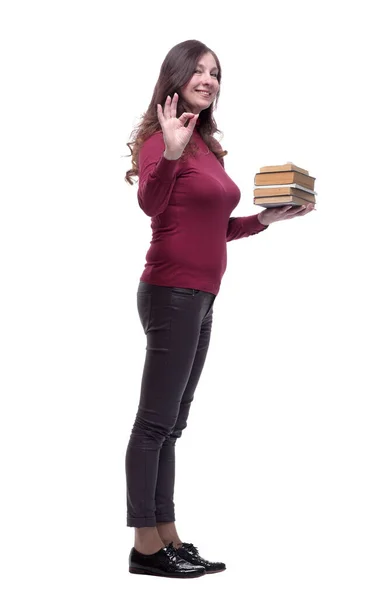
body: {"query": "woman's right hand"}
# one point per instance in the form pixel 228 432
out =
pixel 176 135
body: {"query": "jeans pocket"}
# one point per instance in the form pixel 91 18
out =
pixel 179 291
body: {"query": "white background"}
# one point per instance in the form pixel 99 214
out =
pixel 279 472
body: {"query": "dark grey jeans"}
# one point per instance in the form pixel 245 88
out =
pixel 177 323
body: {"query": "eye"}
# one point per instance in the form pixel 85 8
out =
pixel 199 71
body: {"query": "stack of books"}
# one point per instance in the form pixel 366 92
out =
pixel 283 184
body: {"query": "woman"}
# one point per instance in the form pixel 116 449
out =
pixel 184 188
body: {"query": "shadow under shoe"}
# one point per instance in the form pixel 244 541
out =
pixel 190 553
pixel 164 563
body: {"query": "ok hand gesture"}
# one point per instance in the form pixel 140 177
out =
pixel 176 135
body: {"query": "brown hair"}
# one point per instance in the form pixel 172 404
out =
pixel 176 70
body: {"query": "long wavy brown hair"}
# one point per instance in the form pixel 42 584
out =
pixel 176 70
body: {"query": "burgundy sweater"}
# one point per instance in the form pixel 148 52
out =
pixel 190 205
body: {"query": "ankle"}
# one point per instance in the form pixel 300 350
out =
pixel 168 533
pixel 148 548
pixel 147 540
pixel 176 542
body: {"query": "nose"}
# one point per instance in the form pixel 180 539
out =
pixel 207 79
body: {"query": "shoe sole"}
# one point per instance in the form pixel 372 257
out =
pixel 217 571
pixel 138 571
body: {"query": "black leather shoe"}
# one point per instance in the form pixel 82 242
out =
pixel 164 563
pixel 190 553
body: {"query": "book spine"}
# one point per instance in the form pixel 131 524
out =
pixel 286 177
pixel 285 190
pixel 285 185
pixel 304 195
pixel 274 201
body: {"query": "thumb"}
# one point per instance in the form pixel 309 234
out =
pixel 192 122
pixel 187 116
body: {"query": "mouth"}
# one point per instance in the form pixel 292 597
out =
pixel 204 93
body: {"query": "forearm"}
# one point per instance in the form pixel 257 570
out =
pixel 239 227
pixel 155 186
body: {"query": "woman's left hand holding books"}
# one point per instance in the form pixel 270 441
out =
pixel 282 213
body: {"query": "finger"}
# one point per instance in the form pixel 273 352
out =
pixel 186 116
pixel 167 107
pixel 173 106
pixel 308 208
pixel 160 114
pixel 192 122
pixel 299 212
pixel 293 212
pixel 280 209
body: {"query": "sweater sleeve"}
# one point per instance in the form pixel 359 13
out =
pixel 239 227
pixel 157 176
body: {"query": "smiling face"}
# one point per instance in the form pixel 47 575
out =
pixel 204 79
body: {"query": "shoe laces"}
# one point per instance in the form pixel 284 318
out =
pixel 172 551
pixel 191 547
